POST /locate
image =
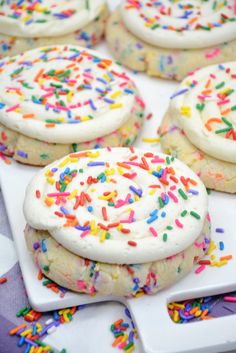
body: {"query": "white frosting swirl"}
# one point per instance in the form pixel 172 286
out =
pixel 181 23
pixel 120 205
pixel 204 106
pixel 46 18
pixel 64 94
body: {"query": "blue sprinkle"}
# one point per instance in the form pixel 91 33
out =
pixel 90 208
pixel 43 245
pixel 221 245
pixel 163 214
pixel 220 230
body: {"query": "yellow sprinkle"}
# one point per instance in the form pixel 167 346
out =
pixel 136 197
pixel 153 191
pixel 65 317
pixel 110 171
pixel 51 181
pixel 103 236
pixel 176 316
pixel 139 294
pixel 107 197
pixel 40 349
pixel 198 313
pixel 25 333
pixel 185 111
pixel 125 337
pixel 181 306
pixel 93 154
pixel 85 118
pixel 92 225
pixel 115 94
pixel 130 349
pixel 47 348
pixel 151 139
pixel 32 349
pixel 61 119
pixel 74 160
pixel 107 78
pixel 119 227
pixel 115 106
pixel 69 96
pixel 64 162
pixel 93 190
pixel 213 257
pixel 120 170
pixel 72 195
pixel 49 201
pixel 211 247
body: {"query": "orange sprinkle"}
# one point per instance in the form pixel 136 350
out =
pixel 228 257
pixel 210 121
pixel 28 116
pixel 50 125
pixel 38 75
pixel 225 112
pixel 16 329
pixel 123 165
pixel 40 275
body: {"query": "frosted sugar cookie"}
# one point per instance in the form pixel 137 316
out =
pixel 169 38
pixel 116 221
pixel 200 125
pixel 56 100
pixel 27 24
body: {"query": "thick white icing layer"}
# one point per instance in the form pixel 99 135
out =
pixel 209 93
pixel 64 94
pixel 153 222
pixel 46 18
pixel 177 24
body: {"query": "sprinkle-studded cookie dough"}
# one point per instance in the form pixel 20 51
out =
pixel 200 127
pixel 28 24
pixel 116 221
pixel 172 38
pixel 61 99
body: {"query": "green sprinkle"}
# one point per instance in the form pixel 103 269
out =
pixel 112 327
pixel 168 160
pixel 221 131
pixel 111 204
pixel 44 156
pixel 195 215
pixel 161 203
pixel 46 268
pixel 169 228
pixel 63 188
pixel 220 85
pixel 233 107
pixel 74 147
pixel 183 214
pixel 226 121
pixel 129 345
pixel 164 237
pixel 200 106
pixel 182 194
pixel 81 170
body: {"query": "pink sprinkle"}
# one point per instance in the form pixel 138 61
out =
pixel 177 222
pixel 158 160
pixel 131 216
pixel 12 108
pixel 199 245
pixel 109 148
pixel 230 299
pixel 140 102
pixel 173 197
pixel 81 284
pixel 213 53
pixel 223 102
pixel 208 217
pixel 153 231
pixel 200 269
pixel 84 233
pixel 122 345
pixel 57 194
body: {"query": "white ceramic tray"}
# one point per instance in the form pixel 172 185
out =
pixel 157 332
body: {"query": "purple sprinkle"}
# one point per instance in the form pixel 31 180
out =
pixel 22 154
pixel 138 192
pixel 220 230
pixel 193 192
pixel 95 164
pixel 179 93
pixel 36 245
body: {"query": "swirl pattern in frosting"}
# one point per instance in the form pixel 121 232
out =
pixel 181 23
pixel 64 94
pixel 204 107
pixel 46 18
pixel 119 206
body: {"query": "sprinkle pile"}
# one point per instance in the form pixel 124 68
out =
pixel 212 259
pixel 182 16
pixel 205 308
pixel 124 333
pixel 32 333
